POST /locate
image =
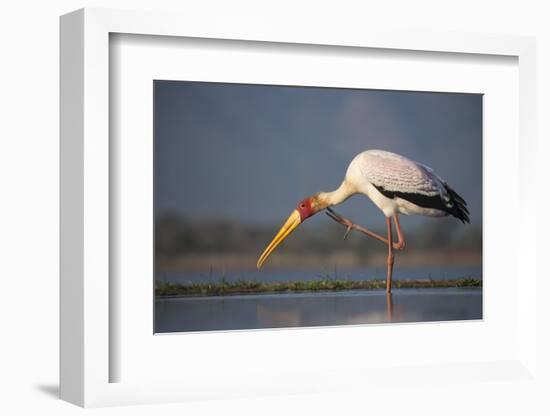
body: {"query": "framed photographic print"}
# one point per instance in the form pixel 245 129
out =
pixel 232 158
pixel 248 214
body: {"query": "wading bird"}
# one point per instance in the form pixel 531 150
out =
pixel 395 184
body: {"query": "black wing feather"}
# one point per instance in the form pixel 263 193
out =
pixel 456 206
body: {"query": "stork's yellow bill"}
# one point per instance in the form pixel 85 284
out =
pixel 290 225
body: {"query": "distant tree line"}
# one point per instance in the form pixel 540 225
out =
pixel 176 235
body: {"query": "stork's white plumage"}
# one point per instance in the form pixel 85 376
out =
pixel 395 184
pixel 398 185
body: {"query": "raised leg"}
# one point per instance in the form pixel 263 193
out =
pixel 351 226
pixel 399 245
pixel 390 257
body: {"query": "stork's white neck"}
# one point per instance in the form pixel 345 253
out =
pixel 338 196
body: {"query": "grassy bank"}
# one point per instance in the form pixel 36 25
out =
pixel 165 289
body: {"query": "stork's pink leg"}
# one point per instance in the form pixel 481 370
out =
pixel 390 256
pixel 400 245
pixel 352 226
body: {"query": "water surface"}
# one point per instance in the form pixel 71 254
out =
pixel 316 309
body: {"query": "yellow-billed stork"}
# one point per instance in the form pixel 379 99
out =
pixel 395 184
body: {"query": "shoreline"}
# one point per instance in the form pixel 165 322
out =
pixel 225 288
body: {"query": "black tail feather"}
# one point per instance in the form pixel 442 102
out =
pixel 458 206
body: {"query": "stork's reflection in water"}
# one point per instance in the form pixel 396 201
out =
pixel 307 314
pixel 389 307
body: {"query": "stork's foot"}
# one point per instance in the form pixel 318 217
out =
pixel 342 220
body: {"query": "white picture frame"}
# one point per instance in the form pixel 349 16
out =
pixel 85 208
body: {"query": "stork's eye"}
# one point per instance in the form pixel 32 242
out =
pixel 302 205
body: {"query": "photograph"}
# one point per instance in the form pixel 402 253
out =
pixel 281 206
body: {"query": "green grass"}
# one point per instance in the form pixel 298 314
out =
pixel 165 289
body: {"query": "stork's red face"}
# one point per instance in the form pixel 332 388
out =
pixel 303 211
pixel 305 208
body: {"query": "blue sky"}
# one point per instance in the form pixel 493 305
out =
pixel 249 153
